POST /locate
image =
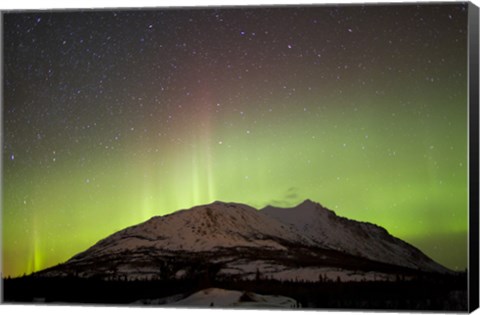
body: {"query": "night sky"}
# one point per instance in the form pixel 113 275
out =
pixel 112 117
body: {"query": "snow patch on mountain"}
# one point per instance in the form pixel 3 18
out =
pixel 261 269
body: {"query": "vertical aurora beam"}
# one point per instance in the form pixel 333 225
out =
pixel 200 137
pixel 35 262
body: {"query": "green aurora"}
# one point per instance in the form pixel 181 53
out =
pixel 367 116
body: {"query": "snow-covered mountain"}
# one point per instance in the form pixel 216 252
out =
pixel 324 228
pixel 201 228
pixel 229 240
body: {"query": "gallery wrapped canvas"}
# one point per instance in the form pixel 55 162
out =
pixel 300 157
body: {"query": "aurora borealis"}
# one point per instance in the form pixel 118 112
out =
pixel 112 117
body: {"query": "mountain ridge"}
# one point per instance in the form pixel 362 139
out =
pixel 238 239
pixel 352 236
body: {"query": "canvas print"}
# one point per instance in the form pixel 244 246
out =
pixel 310 156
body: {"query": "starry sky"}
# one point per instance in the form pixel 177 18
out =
pixel 112 117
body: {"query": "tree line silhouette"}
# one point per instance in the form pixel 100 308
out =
pixel 423 292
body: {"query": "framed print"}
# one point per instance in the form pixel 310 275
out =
pixel 284 156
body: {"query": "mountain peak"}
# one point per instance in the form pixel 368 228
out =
pixel 307 202
pixel 220 202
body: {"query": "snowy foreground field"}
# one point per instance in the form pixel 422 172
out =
pixel 215 297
